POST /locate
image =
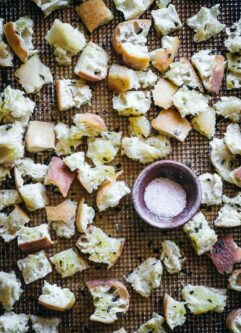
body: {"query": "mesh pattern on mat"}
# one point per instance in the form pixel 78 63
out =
pixel 142 241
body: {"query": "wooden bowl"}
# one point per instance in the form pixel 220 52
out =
pixel 177 172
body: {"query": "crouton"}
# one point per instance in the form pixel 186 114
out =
pixel 163 93
pixel 32 239
pixel 40 136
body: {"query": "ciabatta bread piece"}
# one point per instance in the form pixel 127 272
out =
pixel 155 324
pixel 110 193
pixel 85 216
pixel 14 323
pixel 66 40
pixel 172 257
pixel 139 126
pixel 100 247
pixel 60 176
pixel 121 78
pixel 234 280
pixel 93 63
pixel 163 57
pixel 110 297
pixel 11 225
pixel 146 277
pixel 32 239
pixel 170 123
pixel 68 262
pixel 94 13
pixel 202 299
pixel 56 298
pixel 48 6
pixel 87 124
pixel 61 218
pixel 40 136
pixel 34 196
pixel 233 320
pixel 19 37
pixel 45 325
pixel 129 40
pixel 210 68
pixel 201 235
pixel 146 150
pixel 174 312
pixel 132 9
pixel 10 290
pixel 64 144
pixel 91 178
pixel 132 103
pixel 8 198
pixel 205 123
pixel 72 93
pixel 34 267
pixel 14 106
pixel 11 142
pixel 33 75
pixel 166 20
pixel 232 138
pixel 27 167
pixel 6 56
pixel 104 150
pixel 205 23
pixel 163 93
pixel 212 189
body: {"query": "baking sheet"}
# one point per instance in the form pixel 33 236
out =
pixel 142 241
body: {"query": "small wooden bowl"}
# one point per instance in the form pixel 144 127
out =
pixel 177 172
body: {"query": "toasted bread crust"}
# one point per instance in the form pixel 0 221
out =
pixel 63 212
pixel 35 245
pixel 58 94
pixel 94 14
pixel 93 120
pixel 217 74
pixel 231 316
pixel 15 42
pixel 135 61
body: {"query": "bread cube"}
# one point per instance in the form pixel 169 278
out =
pixel 87 124
pixel 132 103
pixel 19 37
pixel 146 150
pixel 56 298
pixel 11 225
pixel 154 324
pixel 14 323
pixel 104 150
pixel 110 193
pixel 110 297
pixel 64 143
pixel 205 23
pixel 100 247
pixel 232 138
pixel 48 6
pixel 92 64
pixel 228 217
pixel 172 257
pixel 147 79
pixel 91 178
pixel 66 40
pixel 40 136
pixel 170 123
pixel 139 126
pixel 205 123
pixel 146 277
pixel 166 20
pixel 60 176
pixel 174 312
pixel 132 9
pixel 8 198
pixel 94 14
pixel 27 167
pixel 122 79
pixel 32 239
pixel 6 56
pixel 10 290
pixel 11 142
pixel 234 280
pixel 163 93
pixel 75 161
pixel 85 216
pixel 201 235
pixel 34 267
pixel 34 196
pixel 72 93
pixel 68 263
pixel 45 325
pixel 212 189
pixel 162 58
pixel 61 218
pixel 202 299
pixel 233 42
pixel 135 56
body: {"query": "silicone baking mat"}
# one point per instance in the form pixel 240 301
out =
pixel 142 241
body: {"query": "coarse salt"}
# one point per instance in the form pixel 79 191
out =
pixel 164 197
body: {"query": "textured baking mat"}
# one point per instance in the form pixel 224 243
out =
pixel 142 241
